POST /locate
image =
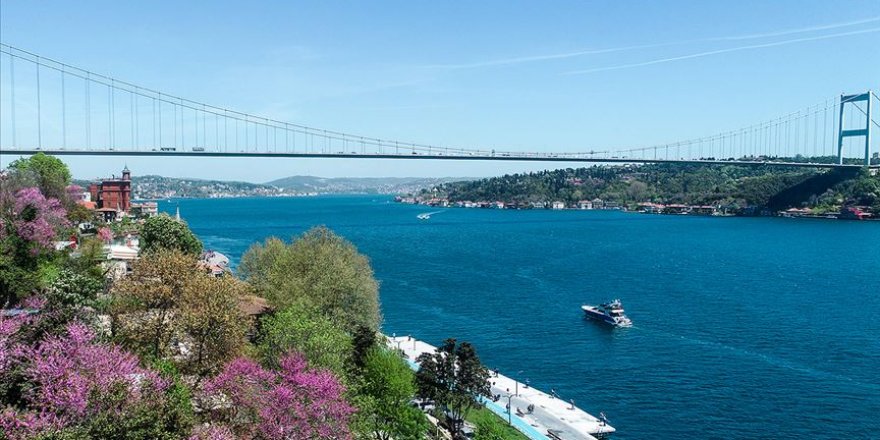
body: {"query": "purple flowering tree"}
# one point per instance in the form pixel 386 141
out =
pixel 33 218
pixel 293 403
pixel 72 379
pixel 105 235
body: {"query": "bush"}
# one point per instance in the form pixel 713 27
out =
pixel 299 328
pixel 164 232
pixel 319 269
pixel 292 403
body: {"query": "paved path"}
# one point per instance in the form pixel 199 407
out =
pixel 568 422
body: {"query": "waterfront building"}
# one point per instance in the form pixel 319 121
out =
pixel 585 204
pixel 113 193
pixel 704 210
pixel 144 209
pixel 853 213
pixel 676 209
pixel 557 205
pixel 651 208
pixel 612 205
pixel 598 203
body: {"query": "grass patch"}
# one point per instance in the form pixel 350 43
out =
pixel 483 416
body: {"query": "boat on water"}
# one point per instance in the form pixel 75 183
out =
pixel 610 313
pixel 423 216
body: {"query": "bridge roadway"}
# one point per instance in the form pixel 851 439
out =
pixel 525 157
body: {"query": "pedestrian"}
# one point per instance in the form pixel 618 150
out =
pixel 572 404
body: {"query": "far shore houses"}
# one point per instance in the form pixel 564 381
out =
pixel 846 212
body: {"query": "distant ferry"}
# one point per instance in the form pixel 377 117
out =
pixel 610 313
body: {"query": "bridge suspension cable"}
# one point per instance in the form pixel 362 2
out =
pixel 142 119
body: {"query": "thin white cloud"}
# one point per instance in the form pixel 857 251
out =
pixel 578 53
pixel 824 27
pixel 722 51
pixel 556 56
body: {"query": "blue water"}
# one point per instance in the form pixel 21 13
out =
pixel 744 327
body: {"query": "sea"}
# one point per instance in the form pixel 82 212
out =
pixel 743 327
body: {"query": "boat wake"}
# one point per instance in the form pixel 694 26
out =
pixel 427 215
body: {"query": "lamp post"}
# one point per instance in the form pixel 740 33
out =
pixel 517 382
pixel 509 409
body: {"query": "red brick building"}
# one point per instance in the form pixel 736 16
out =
pixel 113 193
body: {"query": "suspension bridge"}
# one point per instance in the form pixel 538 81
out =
pixel 53 107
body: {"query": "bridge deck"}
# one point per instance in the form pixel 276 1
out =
pixel 420 156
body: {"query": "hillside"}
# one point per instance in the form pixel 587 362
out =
pixel 358 185
pixel 159 187
pixel 684 184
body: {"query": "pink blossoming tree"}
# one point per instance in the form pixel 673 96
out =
pixel 105 235
pixel 72 379
pixel 32 218
pixel 292 403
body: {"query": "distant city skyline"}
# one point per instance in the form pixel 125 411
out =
pixel 566 76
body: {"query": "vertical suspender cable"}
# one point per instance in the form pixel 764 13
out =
pixel 113 111
pixel 159 144
pixel 135 138
pixel 63 111
pixel 109 117
pixel 88 112
pixel 39 111
pixel 12 96
pixel 174 108
pixel 182 127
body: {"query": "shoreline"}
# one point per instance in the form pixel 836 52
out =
pixel 534 411
pixel 780 214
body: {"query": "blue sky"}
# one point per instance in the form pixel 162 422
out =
pixel 546 76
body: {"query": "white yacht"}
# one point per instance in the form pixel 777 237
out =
pixel 609 313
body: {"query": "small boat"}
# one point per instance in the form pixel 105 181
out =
pixel 609 313
pixel 425 216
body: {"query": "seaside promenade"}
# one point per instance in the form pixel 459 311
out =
pixel 538 415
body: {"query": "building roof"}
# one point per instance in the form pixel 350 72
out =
pixel 252 305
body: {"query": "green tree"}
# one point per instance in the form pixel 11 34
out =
pixel 209 316
pixel 146 300
pixel 319 269
pixel 301 328
pixel 364 341
pixel 388 386
pixel 49 173
pixel 164 232
pixel 454 377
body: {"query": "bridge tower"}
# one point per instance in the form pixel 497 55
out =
pixel 853 100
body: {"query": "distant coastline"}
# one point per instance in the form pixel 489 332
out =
pixel 673 190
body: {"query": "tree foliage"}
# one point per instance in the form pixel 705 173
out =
pixel 669 183
pixel 48 173
pixel 164 232
pixel 305 330
pixel 146 299
pixel 384 398
pixel 454 377
pixel 209 318
pixel 29 225
pixel 319 269
pixel 294 402
pixel 81 389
